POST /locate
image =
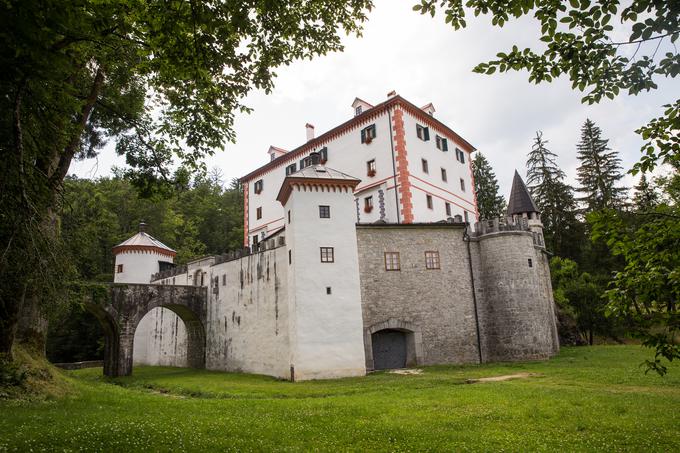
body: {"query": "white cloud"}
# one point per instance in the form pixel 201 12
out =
pixel 425 60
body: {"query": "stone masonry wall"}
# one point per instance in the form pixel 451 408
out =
pixel 515 304
pixel 247 319
pixel 438 303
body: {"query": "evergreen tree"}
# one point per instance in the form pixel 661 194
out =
pixel 554 198
pixel 489 202
pixel 645 198
pixel 600 171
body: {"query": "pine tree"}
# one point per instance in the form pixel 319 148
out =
pixel 554 198
pixel 645 197
pixel 600 171
pixel 489 202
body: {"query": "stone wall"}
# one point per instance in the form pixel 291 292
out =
pixel 247 319
pixel 514 297
pixel 436 304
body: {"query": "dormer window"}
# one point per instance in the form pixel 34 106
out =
pixel 368 134
pixel 258 186
pixel 442 143
pixel 291 169
pixel 357 111
pixel 305 162
pixel 423 132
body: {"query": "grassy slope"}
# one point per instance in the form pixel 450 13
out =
pixel 587 399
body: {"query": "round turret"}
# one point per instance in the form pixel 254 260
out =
pixel 139 257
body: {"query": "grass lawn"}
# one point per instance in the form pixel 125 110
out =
pixel 590 398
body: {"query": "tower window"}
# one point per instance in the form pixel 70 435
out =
pixel 448 209
pixel 290 257
pixel 428 199
pixel 328 290
pixel 370 168
pixel 259 185
pixel 324 212
pixel 444 174
pixel 462 184
pixel 368 204
pixel 392 261
pixel 258 213
pixel 119 268
pixel 432 260
pixel 423 132
pixel 368 134
pixel 442 143
pixel 531 264
pixel 289 216
pixel 425 166
pixel 327 255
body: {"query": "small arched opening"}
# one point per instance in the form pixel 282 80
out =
pixel 198 278
pixel 393 344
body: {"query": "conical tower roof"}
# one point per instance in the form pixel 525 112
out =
pixel 143 242
pixel 520 200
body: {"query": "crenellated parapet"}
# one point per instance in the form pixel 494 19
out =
pixel 511 224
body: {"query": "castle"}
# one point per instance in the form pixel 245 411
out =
pixel 332 290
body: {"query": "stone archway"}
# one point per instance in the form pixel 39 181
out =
pixel 122 308
pixel 413 339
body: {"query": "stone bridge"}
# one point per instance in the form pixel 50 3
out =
pixel 121 306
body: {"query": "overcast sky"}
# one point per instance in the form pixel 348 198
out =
pixel 425 60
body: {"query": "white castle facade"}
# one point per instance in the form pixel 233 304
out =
pixel 330 288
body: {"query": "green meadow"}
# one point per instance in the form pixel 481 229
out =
pixel 586 399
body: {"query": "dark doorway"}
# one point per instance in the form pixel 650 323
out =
pixel 389 349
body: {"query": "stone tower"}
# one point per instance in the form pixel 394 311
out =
pixel 324 296
pixel 512 279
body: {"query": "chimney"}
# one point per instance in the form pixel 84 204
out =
pixel 310 131
pixel 142 227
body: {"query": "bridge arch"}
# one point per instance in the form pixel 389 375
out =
pixel 123 307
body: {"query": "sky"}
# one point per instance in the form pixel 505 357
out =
pixel 425 60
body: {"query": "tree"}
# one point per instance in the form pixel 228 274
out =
pixel 163 79
pixel 489 202
pixel 599 172
pixel 554 198
pixel 645 197
pixel 578 41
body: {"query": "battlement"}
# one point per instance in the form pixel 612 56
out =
pixel 507 224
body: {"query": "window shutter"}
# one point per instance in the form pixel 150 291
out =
pixel 462 157
pixel 373 129
pixel 445 145
pixel 363 135
pixel 426 130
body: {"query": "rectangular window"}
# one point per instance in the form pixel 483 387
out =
pixel 370 168
pixel 324 212
pixel 357 111
pixel 428 199
pixel 258 213
pixel 444 174
pixel 432 260
pixel 425 167
pixel 531 264
pixel 305 162
pixel 224 280
pixel 392 261
pixel 119 268
pixel 448 209
pixel 460 156
pixel 368 204
pixel 256 240
pixel 327 255
pixel 442 143
pixel 290 257
pixel 323 155
pixel 423 132
pixel 289 216
pixel 292 168
pixel 328 290
pixel 259 185
pixel 368 134
pixel 462 184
